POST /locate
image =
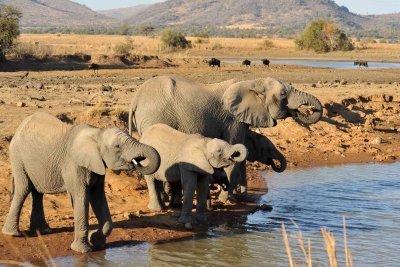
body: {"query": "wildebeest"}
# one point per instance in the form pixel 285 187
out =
pixel 95 67
pixel 361 63
pixel 214 62
pixel 265 62
pixel 246 62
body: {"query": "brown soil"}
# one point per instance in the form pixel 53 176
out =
pixel 361 124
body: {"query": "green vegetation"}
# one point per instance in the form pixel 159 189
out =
pixel 124 48
pixel 171 39
pixel 9 28
pixel 323 36
pixel 267 44
pixel 145 30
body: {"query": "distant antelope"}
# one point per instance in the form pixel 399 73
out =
pixel 95 67
pixel 361 63
pixel 246 62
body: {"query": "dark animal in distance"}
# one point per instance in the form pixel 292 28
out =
pixel 95 67
pixel 214 62
pixel 361 63
pixel 265 62
pixel 246 62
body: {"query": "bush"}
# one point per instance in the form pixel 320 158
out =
pixel 9 28
pixel 200 40
pixel 216 46
pixel 171 39
pixel 124 48
pixel 267 44
pixel 323 36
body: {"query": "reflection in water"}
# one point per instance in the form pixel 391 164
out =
pixel 323 64
pixel 368 195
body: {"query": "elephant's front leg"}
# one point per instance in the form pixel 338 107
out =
pixel 189 184
pixel 243 178
pixel 155 202
pixel 98 202
pixel 202 192
pixel 80 196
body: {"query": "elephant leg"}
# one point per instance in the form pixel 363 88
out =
pixel 80 198
pixel 22 187
pixel 202 192
pixel 176 195
pixel 38 220
pixel 189 184
pixel 155 202
pixel 209 203
pixel 165 191
pixel 232 175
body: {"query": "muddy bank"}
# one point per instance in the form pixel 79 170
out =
pixel 361 123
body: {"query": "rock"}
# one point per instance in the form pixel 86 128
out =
pixel 106 88
pixel 377 141
pixel 188 226
pixel 35 85
pixel 313 85
pixel 21 104
pixel 139 213
pixel 128 215
pixel 343 82
pixel 2 102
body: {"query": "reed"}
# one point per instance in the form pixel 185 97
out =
pixel 330 247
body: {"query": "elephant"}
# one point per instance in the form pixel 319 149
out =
pixel 246 62
pixel 49 156
pixel 191 159
pixel 265 62
pixel 223 110
pixel 214 62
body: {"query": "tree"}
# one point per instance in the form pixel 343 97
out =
pixel 172 39
pixel 146 30
pixel 9 28
pixel 124 29
pixel 323 36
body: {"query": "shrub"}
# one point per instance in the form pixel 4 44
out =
pixel 267 43
pixel 200 40
pixel 216 46
pixel 323 36
pixel 171 39
pixel 124 48
pixel 9 28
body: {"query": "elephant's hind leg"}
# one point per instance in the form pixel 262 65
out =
pixel 21 188
pixel 38 220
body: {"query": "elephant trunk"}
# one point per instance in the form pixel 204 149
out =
pixel 145 158
pixel 238 153
pixel 282 162
pixel 313 107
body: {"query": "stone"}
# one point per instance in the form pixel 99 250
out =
pixel 21 104
pixel 188 226
pixel 377 141
pixel 106 88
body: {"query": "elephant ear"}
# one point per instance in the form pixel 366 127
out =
pixel 85 151
pixel 194 159
pixel 246 101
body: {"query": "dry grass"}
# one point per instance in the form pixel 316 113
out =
pixel 95 45
pixel 330 247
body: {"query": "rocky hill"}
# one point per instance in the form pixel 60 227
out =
pixel 56 13
pixel 123 13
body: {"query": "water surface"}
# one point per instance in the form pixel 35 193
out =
pixel 367 195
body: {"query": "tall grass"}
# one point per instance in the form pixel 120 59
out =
pixel 330 247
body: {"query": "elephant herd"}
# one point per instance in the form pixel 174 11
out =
pixel 191 134
pixel 214 62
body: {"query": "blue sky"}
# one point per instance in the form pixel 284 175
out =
pixel 357 6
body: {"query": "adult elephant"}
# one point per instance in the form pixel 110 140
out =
pixel 224 113
pixel 49 156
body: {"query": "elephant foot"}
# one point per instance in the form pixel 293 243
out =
pixel 155 207
pixel 185 219
pixel 97 239
pixel 201 219
pixel 225 197
pixel 11 231
pixel 81 247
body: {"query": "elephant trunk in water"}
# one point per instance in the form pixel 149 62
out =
pixel 298 98
pixel 141 154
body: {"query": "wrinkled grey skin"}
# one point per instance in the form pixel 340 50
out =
pixel 191 159
pixel 224 110
pixel 49 156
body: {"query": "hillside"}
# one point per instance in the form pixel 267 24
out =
pixel 123 13
pixel 256 13
pixel 56 13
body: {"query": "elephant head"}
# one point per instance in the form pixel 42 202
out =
pixel 263 150
pixel 260 102
pixel 95 149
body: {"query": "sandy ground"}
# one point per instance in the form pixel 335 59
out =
pixel 361 123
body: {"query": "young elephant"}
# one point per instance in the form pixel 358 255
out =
pixel 49 156
pixel 192 159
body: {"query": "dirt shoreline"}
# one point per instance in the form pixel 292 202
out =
pixel 361 124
